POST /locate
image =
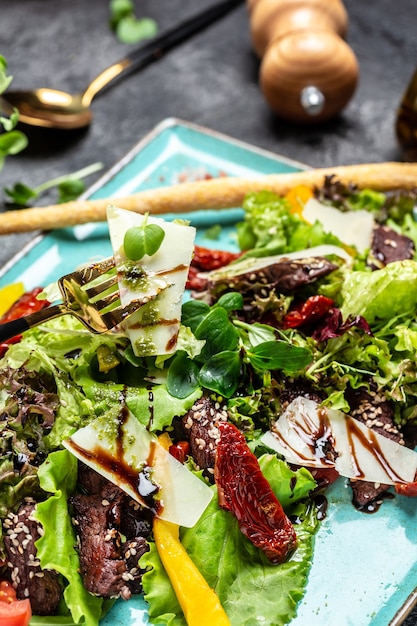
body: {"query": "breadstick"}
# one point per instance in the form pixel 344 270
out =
pixel 217 193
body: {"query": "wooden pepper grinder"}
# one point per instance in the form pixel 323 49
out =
pixel 308 73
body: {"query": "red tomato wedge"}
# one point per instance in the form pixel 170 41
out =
pixel 13 612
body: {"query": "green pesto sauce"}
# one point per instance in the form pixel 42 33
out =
pixel 150 314
pixel 144 346
pixel 134 277
pixel 109 425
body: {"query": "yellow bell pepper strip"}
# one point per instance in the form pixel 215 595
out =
pixel 8 296
pixel 199 602
pixel 297 197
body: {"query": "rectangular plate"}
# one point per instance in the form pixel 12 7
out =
pixel 364 569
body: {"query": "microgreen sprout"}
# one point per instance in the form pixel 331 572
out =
pixel 127 27
pixel 11 141
pixel 143 239
pixel 69 186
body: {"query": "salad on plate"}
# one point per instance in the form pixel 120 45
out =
pixel 185 455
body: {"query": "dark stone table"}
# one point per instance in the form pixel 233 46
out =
pixel 209 80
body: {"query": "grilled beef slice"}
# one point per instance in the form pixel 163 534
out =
pixel 284 276
pixel 42 587
pixel 388 246
pixel 201 431
pixel 109 566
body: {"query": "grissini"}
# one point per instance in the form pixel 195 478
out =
pixel 217 193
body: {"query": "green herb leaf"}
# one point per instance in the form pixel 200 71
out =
pixel 12 142
pixel 218 331
pixel 213 232
pixel 182 379
pixel 70 189
pixel 141 240
pixel 272 355
pixel 20 193
pixel 222 373
pixel 127 27
pixel 231 301
pixel 4 79
pixel 120 9
pixel 131 30
pixel 9 123
pixel 69 186
pixel 193 313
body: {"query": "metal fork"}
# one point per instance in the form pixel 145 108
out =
pixel 91 295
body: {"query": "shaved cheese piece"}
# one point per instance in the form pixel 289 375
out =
pixel 353 228
pixel 128 455
pixel 315 436
pixel 253 264
pixel 153 330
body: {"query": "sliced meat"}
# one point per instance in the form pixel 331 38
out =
pixel 132 550
pixel 294 389
pixel 102 519
pixel 373 410
pixel 202 432
pixel 42 587
pixel 102 567
pixel 389 246
pixel 285 276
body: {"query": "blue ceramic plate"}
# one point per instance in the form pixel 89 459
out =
pixel 364 570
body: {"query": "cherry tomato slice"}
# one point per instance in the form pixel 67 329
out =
pixel 7 591
pixel 13 612
pixel 407 489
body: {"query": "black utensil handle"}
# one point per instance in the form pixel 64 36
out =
pixel 13 328
pixel 172 37
pixel 16 327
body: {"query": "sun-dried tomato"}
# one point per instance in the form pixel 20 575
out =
pixel 307 312
pixel 244 491
pixel 180 450
pixel 206 259
pixel 195 281
pixel 25 305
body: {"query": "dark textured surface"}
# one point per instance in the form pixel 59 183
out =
pixel 211 80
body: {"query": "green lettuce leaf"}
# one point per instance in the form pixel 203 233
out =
pixel 383 294
pixel 56 548
pixel 245 581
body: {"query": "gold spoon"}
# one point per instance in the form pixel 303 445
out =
pixel 50 108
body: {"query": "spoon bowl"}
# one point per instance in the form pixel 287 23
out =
pixel 50 108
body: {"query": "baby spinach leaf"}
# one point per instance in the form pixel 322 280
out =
pixel 218 331
pixel 231 301
pixel 221 373
pixel 272 355
pixel 182 377
pixel 193 312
